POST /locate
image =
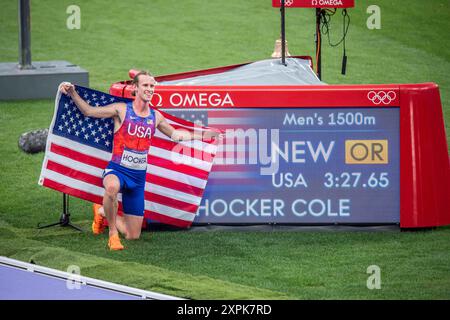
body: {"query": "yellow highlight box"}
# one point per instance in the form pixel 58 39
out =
pixel 366 151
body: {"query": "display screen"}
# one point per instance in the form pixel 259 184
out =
pixel 302 165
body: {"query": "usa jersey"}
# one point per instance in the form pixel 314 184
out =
pixel 132 141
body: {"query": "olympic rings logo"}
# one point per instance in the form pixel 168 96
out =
pixel 287 3
pixel 381 97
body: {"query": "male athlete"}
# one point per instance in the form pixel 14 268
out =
pixel 134 126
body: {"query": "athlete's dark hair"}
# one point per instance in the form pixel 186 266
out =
pixel 135 80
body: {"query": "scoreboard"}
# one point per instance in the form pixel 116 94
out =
pixel 333 154
pixel 302 165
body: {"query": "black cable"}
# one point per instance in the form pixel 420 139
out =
pixel 325 16
pixel 325 21
pixel 344 31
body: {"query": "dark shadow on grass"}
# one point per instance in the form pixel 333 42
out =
pixel 155 227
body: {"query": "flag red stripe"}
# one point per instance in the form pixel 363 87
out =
pixel 167 219
pixel 78 156
pixel 173 203
pixel 75 174
pixel 181 149
pixel 71 191
pixel 175 185
pixel 183 168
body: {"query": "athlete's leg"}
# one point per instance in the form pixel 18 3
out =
pixel 134 226
pixel 120 222
pixel 133 207
pixel 112 188
pixel 122 225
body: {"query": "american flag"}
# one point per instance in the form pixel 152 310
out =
pixel 79 148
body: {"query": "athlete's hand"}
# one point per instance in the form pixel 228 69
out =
pixel 66 88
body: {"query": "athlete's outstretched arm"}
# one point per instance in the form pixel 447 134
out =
pixel 108 111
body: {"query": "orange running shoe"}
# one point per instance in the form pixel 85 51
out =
pixel 114 243
pixel 97 224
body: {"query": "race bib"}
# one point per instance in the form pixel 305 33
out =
pixel 134 160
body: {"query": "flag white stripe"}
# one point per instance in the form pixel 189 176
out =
pixel 180 158
pixel 93 152
pixel 176 176
pixel 169 211
pixel 171 193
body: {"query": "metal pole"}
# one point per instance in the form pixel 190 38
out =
pixel 318 44
pixel 283 34
pixel 24 35
pixel 65 203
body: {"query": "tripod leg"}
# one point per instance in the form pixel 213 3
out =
pixel 48 225
pixel 75 227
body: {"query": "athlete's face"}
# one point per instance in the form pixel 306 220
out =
pixel 145 87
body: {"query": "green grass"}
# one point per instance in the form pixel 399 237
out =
pixel 168 36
